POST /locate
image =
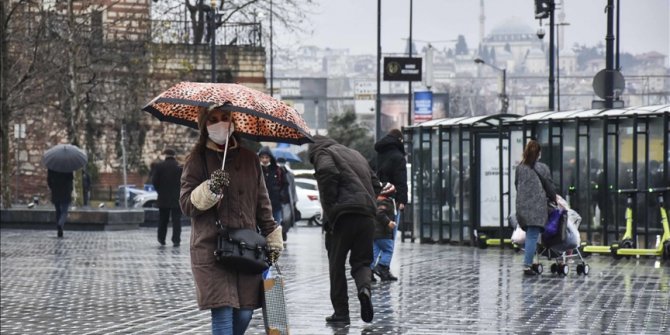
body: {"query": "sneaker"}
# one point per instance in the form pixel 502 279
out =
pixel 344 319
pixel 161 242
pixel 372 277
pixel 529 272
pixel 365 298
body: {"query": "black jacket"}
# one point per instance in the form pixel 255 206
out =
pixel 167 182
pixel 347 184
pixel 60 184
pixel 392 165
pixel 275 181
pixel 385 214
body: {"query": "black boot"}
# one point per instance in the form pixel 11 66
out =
pixel 60 231
pixel 387 275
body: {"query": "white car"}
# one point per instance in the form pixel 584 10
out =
pixel 308 203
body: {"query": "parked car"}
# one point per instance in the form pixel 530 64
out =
pixel 308 203
pixel 146 200
pixel 137 197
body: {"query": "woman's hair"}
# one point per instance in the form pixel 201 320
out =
pixel 531 153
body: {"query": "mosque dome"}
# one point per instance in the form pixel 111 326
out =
pixel 512 26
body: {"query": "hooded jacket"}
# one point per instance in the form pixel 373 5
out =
pixel 275 180
pixel 392 165
pixel 347 184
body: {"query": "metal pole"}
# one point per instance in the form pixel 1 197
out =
pixel 551 56
pixel 378 99
pixel 212 42
pixel 558 69
pixel 410 52
pixel 272 74
pixel 504 91
pixel 125 175
pixel 609 55
pixel 618 16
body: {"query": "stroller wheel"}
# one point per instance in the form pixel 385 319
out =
pixel 553 268
pixel 580 268
pixel 537 267
pixel 585 269
pixel 563 269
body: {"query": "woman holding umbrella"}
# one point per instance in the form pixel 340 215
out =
pixel 236 195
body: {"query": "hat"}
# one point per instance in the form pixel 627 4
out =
pixel 169 152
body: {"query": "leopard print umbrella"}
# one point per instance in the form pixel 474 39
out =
pixel 256 115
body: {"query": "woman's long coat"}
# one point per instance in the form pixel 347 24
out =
pixel 245 204
pixel 531 199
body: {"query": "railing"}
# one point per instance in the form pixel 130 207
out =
pixel 182 32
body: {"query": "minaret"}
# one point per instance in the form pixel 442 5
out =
pixel 561 19
pixel 481 21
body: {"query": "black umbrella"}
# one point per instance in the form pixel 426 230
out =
pixel 64 158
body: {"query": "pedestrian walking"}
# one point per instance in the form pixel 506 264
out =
pixel 236 197
pixel 392 168
pixel 166 181
pixel 382 248
pixel 289 199
pixel 531 199
pixel 60 184
pixel 86 187
pixel 347 187
pixel 275 182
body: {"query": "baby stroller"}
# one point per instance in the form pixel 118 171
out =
pixel 562 246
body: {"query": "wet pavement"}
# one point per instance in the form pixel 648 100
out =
pixel 122 282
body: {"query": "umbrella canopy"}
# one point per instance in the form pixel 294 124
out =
pixel 256 115
pixel 64 158
pixel 285 154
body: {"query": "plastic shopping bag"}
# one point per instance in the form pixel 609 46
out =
pixel 519 236
pixel 274 304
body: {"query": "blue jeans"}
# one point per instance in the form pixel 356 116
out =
pixel 230 321
pixel 382 249
pixel 277 214
pixel 532 234
pixel 61 213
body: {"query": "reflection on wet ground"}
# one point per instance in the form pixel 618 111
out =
pixel 124 283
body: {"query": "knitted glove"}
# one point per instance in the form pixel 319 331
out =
pixel 218 180
pixel 275 242
pixel 203 198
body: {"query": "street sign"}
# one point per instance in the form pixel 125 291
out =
pixel 423 106
pixel 600 83
pixel 402 69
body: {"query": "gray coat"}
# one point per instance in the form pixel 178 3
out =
pixel 531 199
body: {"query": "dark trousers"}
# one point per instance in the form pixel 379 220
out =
pixel 62 208
pixel 164 217
pixel 355 234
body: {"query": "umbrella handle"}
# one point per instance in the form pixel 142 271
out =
pixel 225 148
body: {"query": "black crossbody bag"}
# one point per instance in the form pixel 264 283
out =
pixel 244 250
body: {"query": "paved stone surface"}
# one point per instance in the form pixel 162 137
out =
pixel 124 283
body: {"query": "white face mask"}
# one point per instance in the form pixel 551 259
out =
pixel 266 164
pixel 220 131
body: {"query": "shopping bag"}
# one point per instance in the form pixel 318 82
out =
pixel 519 236
pixel 274 302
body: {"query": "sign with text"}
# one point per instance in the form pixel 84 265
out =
pixel 423 106
pixel 402 69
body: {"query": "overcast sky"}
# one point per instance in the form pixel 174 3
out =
pixel 352 24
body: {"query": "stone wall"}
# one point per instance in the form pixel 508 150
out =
pixel 133 78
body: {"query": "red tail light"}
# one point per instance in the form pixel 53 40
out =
pixel 313 197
